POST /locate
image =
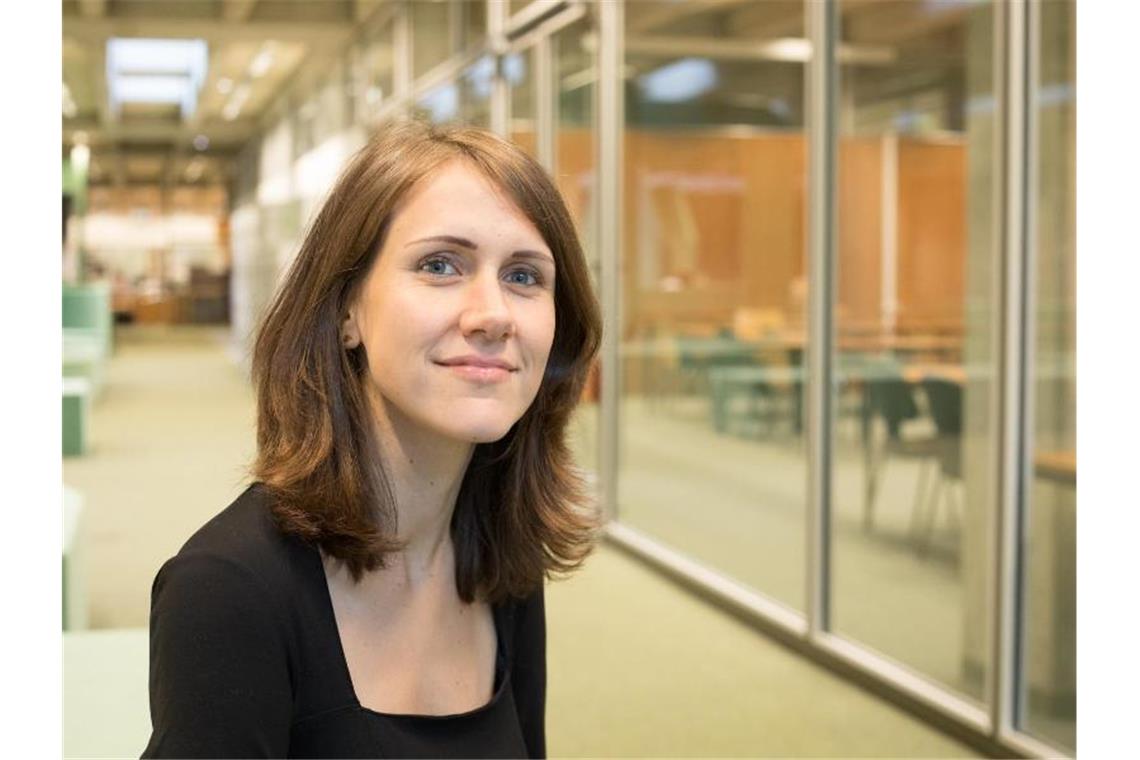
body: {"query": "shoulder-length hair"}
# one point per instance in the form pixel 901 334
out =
pixel 523 511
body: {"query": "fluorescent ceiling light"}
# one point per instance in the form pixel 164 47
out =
pixel 480 74
pixel 156 71
pixel 514 68
pixel 156 89
pixel 679 81
pixel 443 102
pixel 262 63
pixel 80 155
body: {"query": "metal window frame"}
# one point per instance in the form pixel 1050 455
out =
pixel 822 84
pixel 609 110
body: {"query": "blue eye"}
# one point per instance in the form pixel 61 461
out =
pixel 436 262
pixel 535 279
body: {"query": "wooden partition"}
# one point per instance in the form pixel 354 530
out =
pixel 716 223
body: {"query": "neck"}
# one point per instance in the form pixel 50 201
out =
pixel 425 471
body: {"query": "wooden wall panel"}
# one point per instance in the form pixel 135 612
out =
pixel 724 217
pixel 860 238
pixel 931 233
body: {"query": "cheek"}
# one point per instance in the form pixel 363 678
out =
pixel 543 340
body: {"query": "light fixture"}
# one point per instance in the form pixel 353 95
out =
pixel 69 109
pixel 262 62
pixel 224 85
pixel 80 157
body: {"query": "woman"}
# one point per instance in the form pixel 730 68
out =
pixel 378 590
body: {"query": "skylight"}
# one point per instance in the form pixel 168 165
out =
pixel 155 71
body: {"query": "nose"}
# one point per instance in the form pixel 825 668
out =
pixel 486 309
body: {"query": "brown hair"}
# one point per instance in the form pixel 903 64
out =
pixel 523 510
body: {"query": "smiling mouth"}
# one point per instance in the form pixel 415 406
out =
pixel 478 374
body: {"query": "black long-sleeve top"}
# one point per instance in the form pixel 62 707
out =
pixel 246 660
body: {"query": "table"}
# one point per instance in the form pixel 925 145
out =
pixel 106 709
pixel 1058 466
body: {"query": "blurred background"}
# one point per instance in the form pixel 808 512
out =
pixel 833 423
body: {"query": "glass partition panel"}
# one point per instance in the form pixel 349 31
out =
pixel 434 37
pixel 439 104
pixel 575 135
pixel 475 92
pixel 916 358
pixel 711 455
pixel 1049 625
pixel 375 66
pixel 518 70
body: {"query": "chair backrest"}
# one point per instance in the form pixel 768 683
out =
pixel 891 397
pixel 945 397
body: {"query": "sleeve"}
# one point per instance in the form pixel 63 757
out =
pixel 219 671
pixel 529 678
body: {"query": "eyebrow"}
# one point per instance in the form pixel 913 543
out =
pixel 465 243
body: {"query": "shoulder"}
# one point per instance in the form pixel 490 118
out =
pixel 239 549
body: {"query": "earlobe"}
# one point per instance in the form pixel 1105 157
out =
pixel 349 334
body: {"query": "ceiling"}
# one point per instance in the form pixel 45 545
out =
pixel 264 49
pixel 298 40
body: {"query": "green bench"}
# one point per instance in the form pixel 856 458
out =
pixel 76 405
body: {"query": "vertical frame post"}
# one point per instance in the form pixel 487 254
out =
pixel 545 102
pixel 497 45
pixel 822 112
pixel 610 106
pixel 1015 156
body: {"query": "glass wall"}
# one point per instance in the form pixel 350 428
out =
pixel 475 85
pixel 375 69
pixel 442 28
pixel 1049 630
pixel 575 138
pixel 518 68
pixel 711 456
pixel 916 360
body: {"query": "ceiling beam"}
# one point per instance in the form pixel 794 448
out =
pixel 896 23
pixel 237 11
pixel 221 133
pixel 93 8
pixel 310 32
pixel 766 21
pixel 661 15
pixel 362 9
pixel 788 50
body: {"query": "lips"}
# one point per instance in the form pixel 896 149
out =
pixel 477 361
pixel 478 374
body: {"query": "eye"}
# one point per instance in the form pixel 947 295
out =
pixel 530 277
pixel 437 265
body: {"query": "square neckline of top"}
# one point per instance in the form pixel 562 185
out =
pixel 502 670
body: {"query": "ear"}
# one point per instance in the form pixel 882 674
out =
pixel 349 331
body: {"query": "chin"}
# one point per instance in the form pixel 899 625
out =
pixel 479 431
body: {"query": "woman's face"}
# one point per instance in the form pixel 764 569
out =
pixel 463 279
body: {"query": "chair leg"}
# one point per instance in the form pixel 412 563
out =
pixel 873 466
pixel 920 499
pixel 923 541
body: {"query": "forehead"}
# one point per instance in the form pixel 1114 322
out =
pixel 456 199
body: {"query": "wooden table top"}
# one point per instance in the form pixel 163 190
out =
pixel 1060 466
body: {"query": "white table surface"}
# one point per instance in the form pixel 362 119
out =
pixel 105 700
